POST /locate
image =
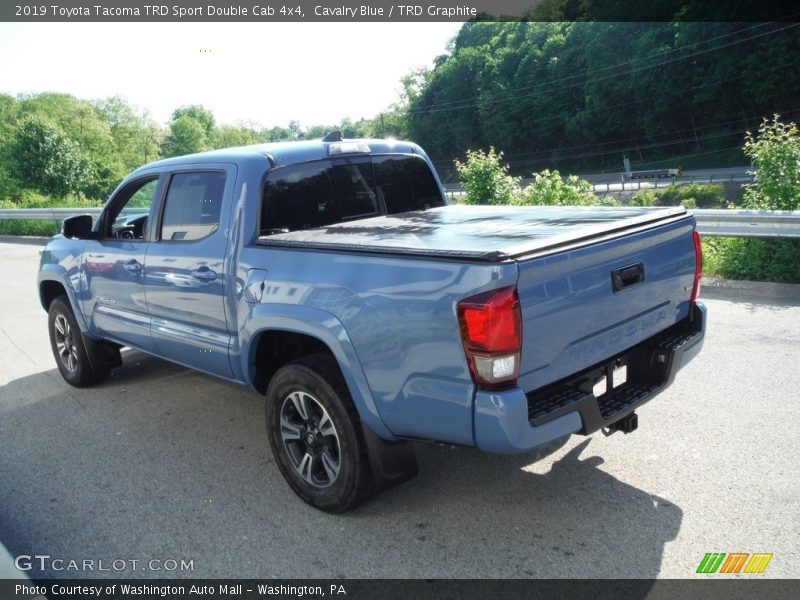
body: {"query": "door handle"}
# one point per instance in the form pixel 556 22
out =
pixel 627 276
pixel 204 274
pixel 133 266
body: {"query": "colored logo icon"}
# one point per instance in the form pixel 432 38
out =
pixel 736 562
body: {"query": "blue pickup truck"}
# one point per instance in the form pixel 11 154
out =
pixel 334 277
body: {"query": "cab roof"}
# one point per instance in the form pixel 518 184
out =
pixel 288 153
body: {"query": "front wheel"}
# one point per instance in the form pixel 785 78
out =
pixel 68 348
pixel 315 436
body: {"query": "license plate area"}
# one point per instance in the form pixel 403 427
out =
pixel 615 374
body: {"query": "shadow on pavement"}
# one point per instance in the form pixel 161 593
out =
pixel 163 463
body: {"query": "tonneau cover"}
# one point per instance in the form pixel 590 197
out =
pixel 486 233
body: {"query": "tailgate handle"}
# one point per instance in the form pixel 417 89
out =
pixel 627 276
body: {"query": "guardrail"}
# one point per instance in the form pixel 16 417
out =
pixel 748 223
pixel 615 182
pixel 733 223
pixel 625 185
pixel 46 214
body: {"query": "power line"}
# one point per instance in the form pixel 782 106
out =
pixel 618 65
pixel 604 151
pixel 474 102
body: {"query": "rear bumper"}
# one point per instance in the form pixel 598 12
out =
pixel 510 421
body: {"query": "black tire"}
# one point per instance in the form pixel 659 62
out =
pixel 68 347
pixel 307 462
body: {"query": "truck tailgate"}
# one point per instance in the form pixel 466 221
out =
pixel 586 304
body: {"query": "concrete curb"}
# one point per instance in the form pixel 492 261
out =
pixel 755 292
pixel 36 240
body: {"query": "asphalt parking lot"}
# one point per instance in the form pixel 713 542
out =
pixel 161 463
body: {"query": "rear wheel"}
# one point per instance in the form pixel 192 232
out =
pixel 68 348
pixel 315 435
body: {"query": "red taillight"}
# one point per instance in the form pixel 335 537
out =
pixel 491 329
pixel 698 266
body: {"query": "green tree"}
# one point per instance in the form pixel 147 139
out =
pixel 578 95
pixel 775 151
pixel 85 124
pixel 9 111
pixel 47 160
pixel 227 136
pixel 191 129
pixel 186 136
pixel 136 138
pixel 198 113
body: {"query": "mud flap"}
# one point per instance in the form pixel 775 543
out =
pixel 392 463
pixel 101 353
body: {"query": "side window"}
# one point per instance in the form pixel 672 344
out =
pixel 299 197
pixel 129 213
pixel 193 205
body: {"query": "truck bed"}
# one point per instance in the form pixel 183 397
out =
pixel 480 233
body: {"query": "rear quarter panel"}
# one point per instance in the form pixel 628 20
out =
pixel 400 316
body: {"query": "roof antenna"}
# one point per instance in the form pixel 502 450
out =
pixel 333 136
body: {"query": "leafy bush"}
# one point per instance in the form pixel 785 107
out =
pixel 776 186
pixel 646 197
pixel 776 154
pixel 752 259
pixel 485 179
pixel 548 188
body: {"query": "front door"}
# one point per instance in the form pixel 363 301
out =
pixel 113 267
pixel 185 271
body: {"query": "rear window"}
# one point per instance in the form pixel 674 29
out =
pixel 325 192
pixel 406 183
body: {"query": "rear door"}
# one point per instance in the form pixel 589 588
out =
pixel 185 277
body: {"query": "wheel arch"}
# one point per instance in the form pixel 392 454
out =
pixel 271 339
pixel 54 281
pixel 49 290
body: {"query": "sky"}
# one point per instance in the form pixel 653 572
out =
pixel 263 73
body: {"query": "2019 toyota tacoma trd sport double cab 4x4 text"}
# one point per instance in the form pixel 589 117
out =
pixel 334 277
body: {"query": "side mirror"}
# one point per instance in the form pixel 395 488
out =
pixel 78 227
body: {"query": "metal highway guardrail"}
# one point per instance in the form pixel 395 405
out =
pixel 748 223
pixel 734 223
pixel 46 214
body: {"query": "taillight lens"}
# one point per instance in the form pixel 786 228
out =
pixel 698 266
pixel 491 329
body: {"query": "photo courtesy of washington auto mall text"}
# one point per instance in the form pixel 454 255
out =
pixel 176 590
